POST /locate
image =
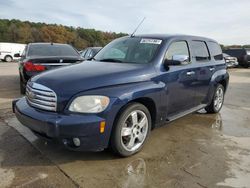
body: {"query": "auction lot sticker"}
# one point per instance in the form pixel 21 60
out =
pixel 151 41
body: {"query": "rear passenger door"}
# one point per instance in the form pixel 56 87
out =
pixel 206 66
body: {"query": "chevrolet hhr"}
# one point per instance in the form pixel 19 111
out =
pixel 133 85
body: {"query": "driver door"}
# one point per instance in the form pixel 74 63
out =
pixel 180 80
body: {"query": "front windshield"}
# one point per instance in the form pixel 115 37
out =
pixel 129 50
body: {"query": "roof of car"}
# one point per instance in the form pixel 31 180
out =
pixel 169 36
pixel 46 43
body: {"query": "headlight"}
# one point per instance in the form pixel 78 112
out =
pixel 89 104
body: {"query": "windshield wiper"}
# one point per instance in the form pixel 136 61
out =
pixel 110 60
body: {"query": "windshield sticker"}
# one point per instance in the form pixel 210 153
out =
pixel 151 41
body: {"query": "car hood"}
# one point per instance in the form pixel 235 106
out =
pixel 70 80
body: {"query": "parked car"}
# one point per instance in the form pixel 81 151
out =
pixel 38 57
pixel 230 61
pixel 134 84
pixel 242 54
pixel 90 52
pixel 7 51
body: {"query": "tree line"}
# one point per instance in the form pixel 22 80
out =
pixel 26 32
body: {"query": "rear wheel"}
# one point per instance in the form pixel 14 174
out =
pixel 131 130
pixel 218 100
pixel 8 58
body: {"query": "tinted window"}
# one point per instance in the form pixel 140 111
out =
pixel 129 50
pixel 87 54
pixel 83 52
pixel 96 50
pixel 51 50
pixel 200 50
pixel 177 48
pixel 236 52
pixel 215 50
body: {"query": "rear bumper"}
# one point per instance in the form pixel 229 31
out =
pixel 63 127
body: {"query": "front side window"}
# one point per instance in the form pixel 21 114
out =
pixel 215 51
pixel 129 50
pixel 177 48
pixel 200 50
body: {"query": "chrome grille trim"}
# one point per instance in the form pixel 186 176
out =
pixel 41 97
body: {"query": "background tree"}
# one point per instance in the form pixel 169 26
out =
pixel 26 32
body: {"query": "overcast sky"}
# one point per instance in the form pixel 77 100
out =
pixel 227 21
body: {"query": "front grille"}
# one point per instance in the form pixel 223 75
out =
pixel 41 97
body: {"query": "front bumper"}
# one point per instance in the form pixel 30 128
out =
pixel 64 127
pixel 232 64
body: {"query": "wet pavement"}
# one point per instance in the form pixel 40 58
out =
pixel 198 150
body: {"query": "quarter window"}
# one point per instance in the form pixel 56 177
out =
pixel 177 48
pixel 200 51
pixel 215 51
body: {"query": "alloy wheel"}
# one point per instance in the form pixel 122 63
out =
pixel 218 100
pixel 134 130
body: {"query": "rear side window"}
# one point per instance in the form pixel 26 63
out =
pixel 200 51
pixel 215 51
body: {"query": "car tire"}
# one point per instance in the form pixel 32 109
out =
pixel 22 86
pixel 131 130
pixel 8 58
pixel 218 100
pixel 245 66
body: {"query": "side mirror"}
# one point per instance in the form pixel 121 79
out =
pixel 176 60
pixel 17 55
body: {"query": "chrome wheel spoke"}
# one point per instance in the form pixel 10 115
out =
pixel 140 137
pixel 134 118
pixel 131 142
pixel 126 131
pixel 143 122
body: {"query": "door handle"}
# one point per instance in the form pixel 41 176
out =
pixel 211 68
pixel 189 73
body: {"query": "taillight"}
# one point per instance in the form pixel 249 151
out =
pixel 29 66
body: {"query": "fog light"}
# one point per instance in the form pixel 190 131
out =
pixel 77 142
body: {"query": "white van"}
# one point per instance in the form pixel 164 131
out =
pixel 7 51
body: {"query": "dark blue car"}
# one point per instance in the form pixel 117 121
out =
pixel 134 84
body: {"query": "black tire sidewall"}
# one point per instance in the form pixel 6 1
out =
pixel 116 134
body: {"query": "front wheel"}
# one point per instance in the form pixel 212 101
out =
pixel 218 100
pixel 131 130
pixel 8 58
